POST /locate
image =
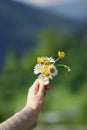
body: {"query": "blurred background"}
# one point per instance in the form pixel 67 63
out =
pixel 31 28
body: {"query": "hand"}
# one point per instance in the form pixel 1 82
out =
pixel 36 97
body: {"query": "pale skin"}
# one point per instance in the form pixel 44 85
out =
pixel 35 99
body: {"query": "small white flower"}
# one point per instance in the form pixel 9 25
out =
pixel 53 70
pixel 47 73
pixel 38 68
pixel 48 59
pixel 43 79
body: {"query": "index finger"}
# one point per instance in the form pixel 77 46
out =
pixel 41 88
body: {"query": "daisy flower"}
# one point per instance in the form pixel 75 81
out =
pixel 38 68
pixel 43 79
pixel 46 67
pixel 53 70
pixel 48 60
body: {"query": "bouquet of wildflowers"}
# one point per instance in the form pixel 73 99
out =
pixel 46 67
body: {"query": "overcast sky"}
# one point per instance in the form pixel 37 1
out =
pixel 44 3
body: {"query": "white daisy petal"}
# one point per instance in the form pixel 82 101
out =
pixel 52 60
pixel 49 59
pixel 38 68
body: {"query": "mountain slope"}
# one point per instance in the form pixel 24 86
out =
pixel 19 25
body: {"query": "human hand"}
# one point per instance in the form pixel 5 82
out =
pixel 36 97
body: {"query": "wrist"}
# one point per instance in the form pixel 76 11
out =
pixel 27 108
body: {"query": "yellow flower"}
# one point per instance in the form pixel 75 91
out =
pixel 39 59
pixel 61 54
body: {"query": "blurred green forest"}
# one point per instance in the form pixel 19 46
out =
pixel 68 91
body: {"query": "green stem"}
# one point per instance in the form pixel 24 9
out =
pixel 65 66
pixel 56 60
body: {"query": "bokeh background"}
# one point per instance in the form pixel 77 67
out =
pixel 29 29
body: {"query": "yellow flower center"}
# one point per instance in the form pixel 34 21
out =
pixel 47 62
pixel 61 54
pixel 42 78
pixel 46 66
pixel 39 69
pixel 39 60
pixel 46 72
